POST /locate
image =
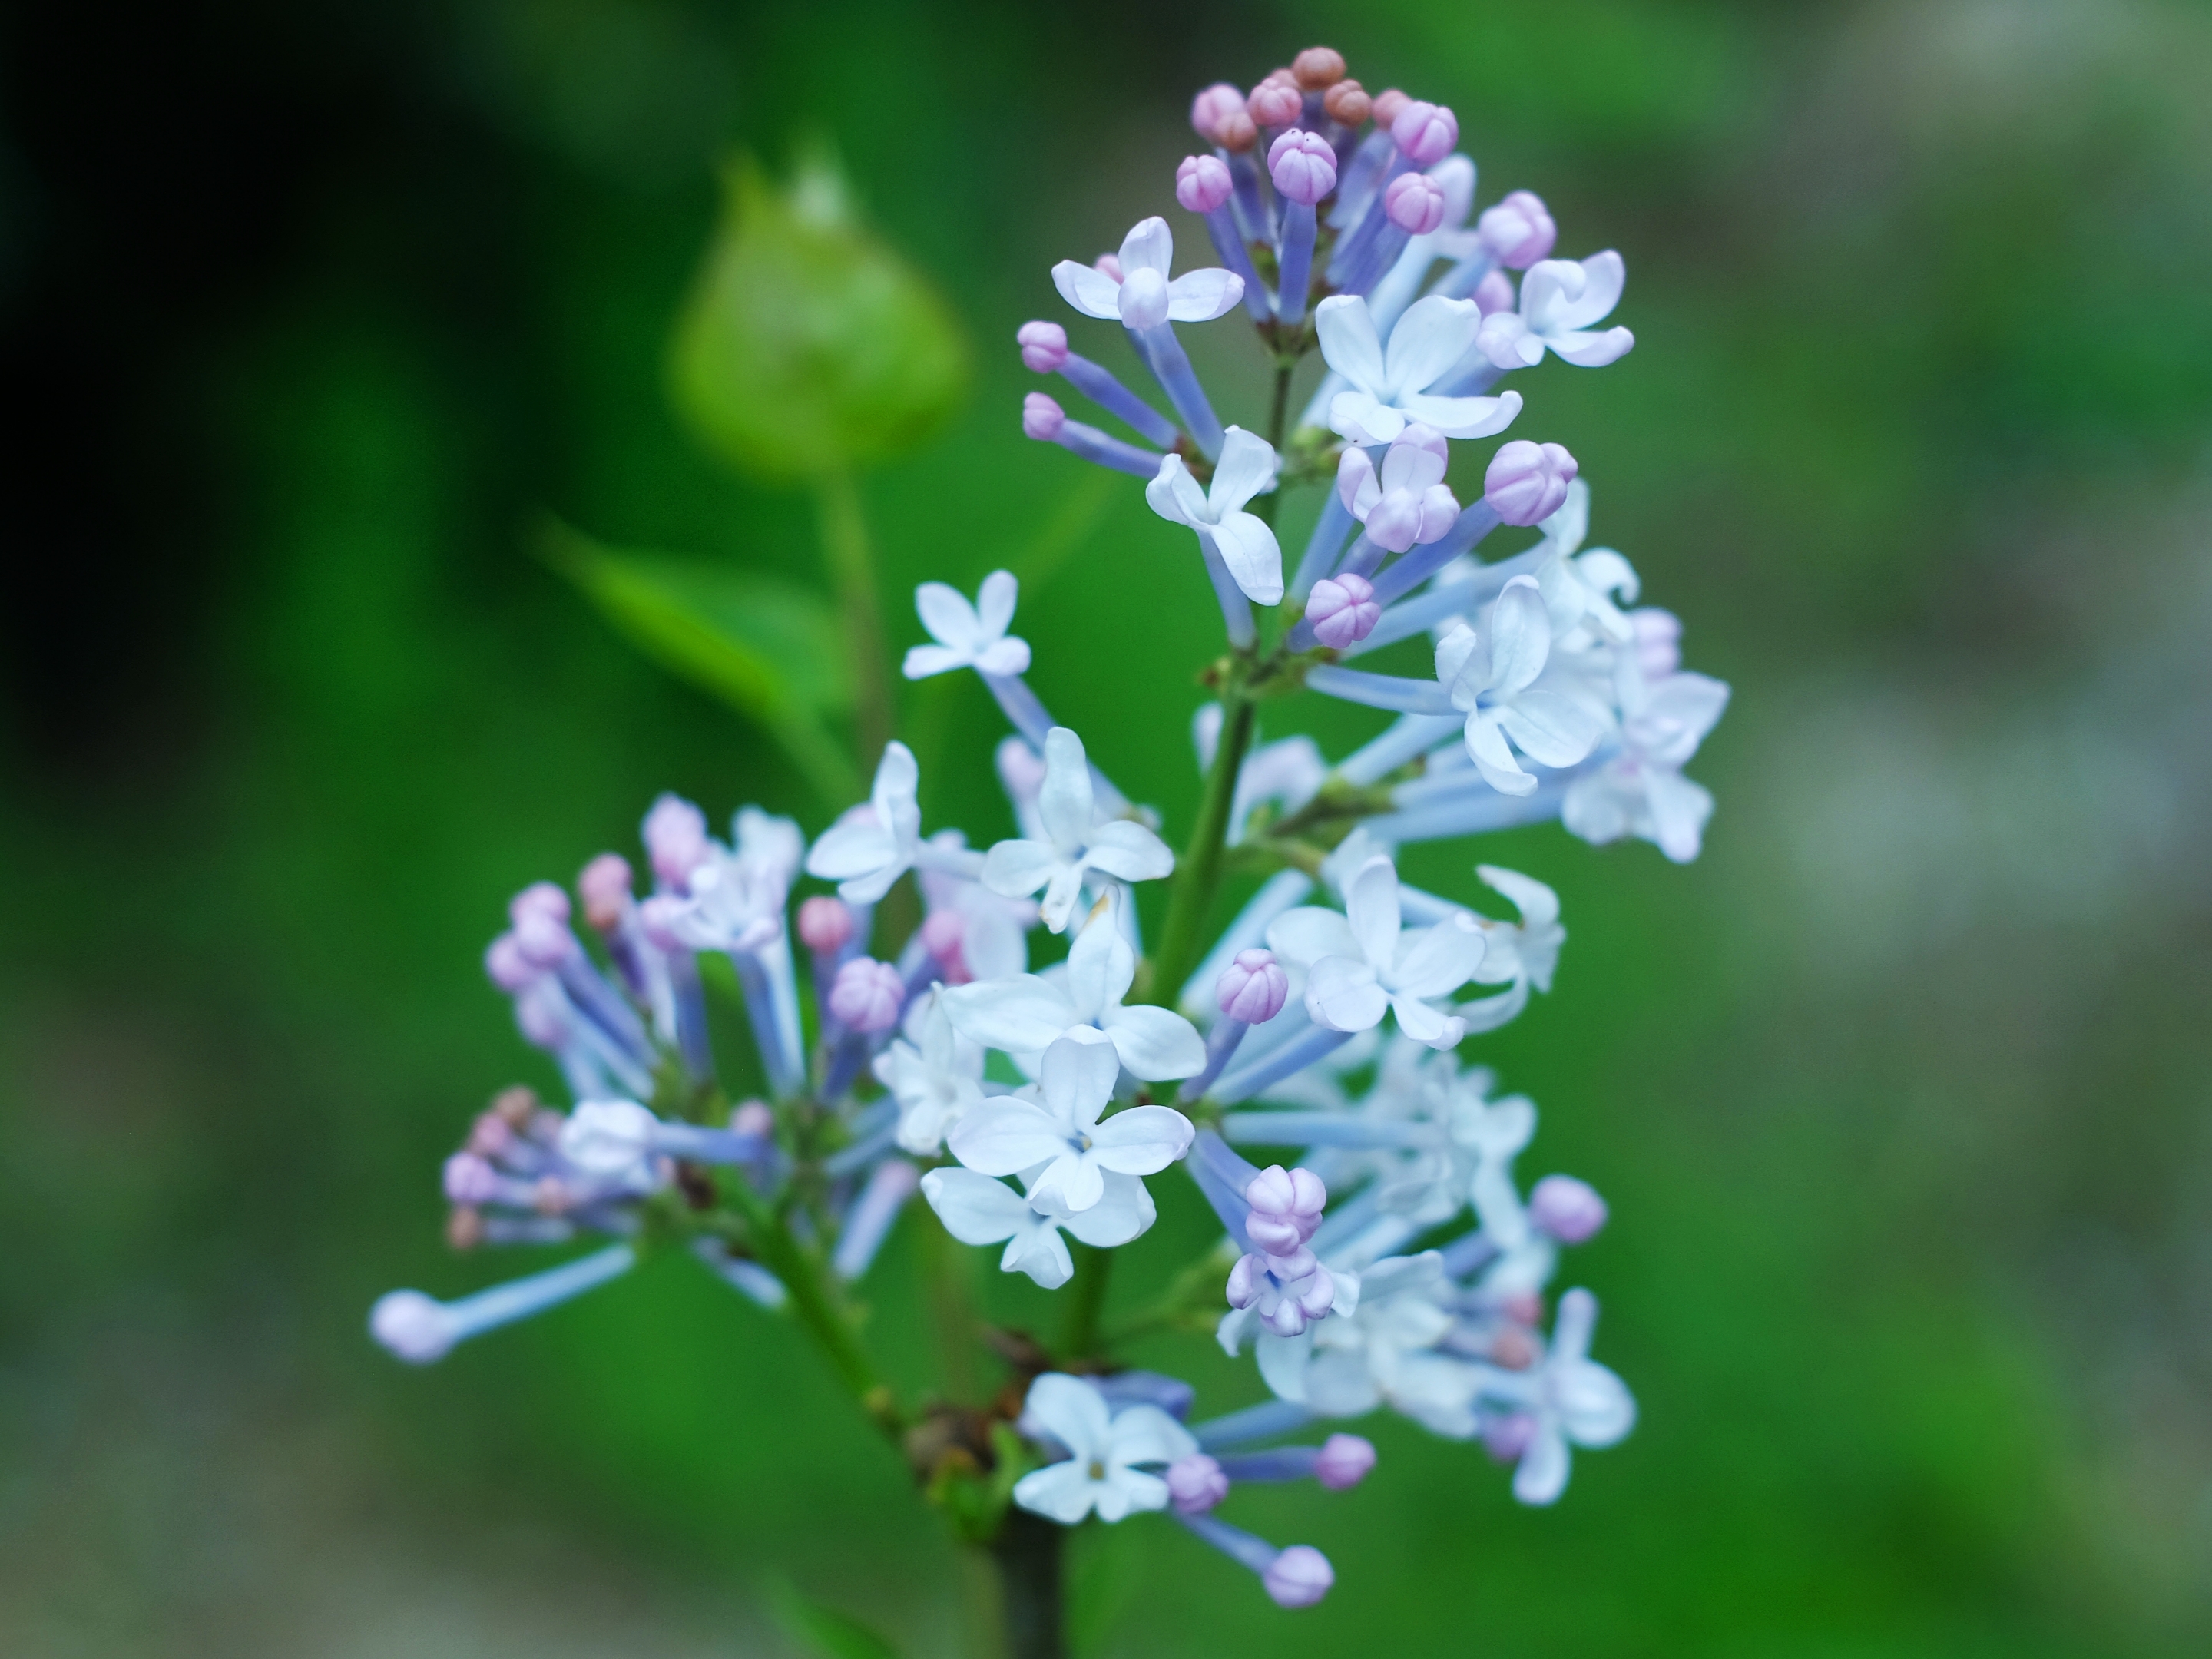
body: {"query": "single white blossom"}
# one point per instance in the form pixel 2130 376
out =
pixel 1384 1352
pixel 1491 677
pixel 978 1210
pixel 1523 954
pixel 734 897
pixel 610 1138
pixel 1058 1142
pixel 1560 299
pixel 1143 296
pixel 1571 1399
pixel 1640 790
pixel 1390 389
pixel 1079 844
pixel 934 1073
pixel 967 635
pixel 1362 963
pixel 1579 587
pixel 1246 469
pixel 1105 1451
pixel 872 846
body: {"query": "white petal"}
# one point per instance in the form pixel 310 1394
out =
pixel 1604 276
pixel 1519 635
pixel 1592 351
pixel 1078 1077
pixel 1454 651
pixel 1062 1492
pixel 951 620
pixel 846 850
pixel 1247 468
pixel 1538 904
pixel 1551 730
pixel 1596 1409
pixel 1371 904
pixel 1440 959
pixel 1057 908
pixel 1463 417
pixel 1679 811
pixel 1129 1491
pixel 1542 1474
pixel 1145 1434
pixel 1254 559
pixel 1005 1136
pixel 1140 1141
pixel 1155 1044
pixel 1493 757
pixel 1284 1361
pixel 1170 490
pixel 1507 341
pixel 1020 1016
pixel 1360 416
pixel 1012 869
pixel 1434 334
pixel 1068 1185
pixel 1039 1251
pixel 1303 936
pixel 1199 296
pixel 1348 341
pixel 1101 967
pixel 1341 995
pixel 1150 246
pixel 923 660
pixel 1425 1024
pixel 1488 1013
pixel 994 602
pixel 1064 801
pixel 1089 289
pixel 1000 657
pixel 1126 848
pixel 1124 1212
pixel 975 1209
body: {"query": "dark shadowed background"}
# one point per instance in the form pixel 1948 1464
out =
pixel 311 312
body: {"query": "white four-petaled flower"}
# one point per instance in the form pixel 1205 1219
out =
pixel 1641 790
pixel 1121 848
pixel 934 1073
pixel 872 846
pixel 1105 1451
pixel 1522 954
pixel 1248 547
pixel 1391 389
pixel 1560 299
pixel 1491 677
pixel 1144 296
pixel 1058 1143
pixel 978 1210
pixel 1570 1399
pixel 967 635
pixel 1363 964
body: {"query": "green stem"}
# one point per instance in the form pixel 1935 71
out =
pixel 1284 367
pixel 853 568
pixel 1086 1301
pixel 1197 871
pixel 1028 1552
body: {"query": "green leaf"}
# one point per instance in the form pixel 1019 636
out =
pixel 770 649
pixel 824 1631
pixel 808 346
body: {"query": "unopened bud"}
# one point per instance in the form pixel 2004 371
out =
pixel 1108 264
pixel 1303 165
pixel 866 995
pixel 412 1326
pixel 1212 107
pixel 1342 609
pixel 1518 231
pixel 1253 987
pixel 470 1179
pixel 1298 1577
pixel 1424 133
pixel 1274 104
pixel 604 886
pixel 1388 105
pixel 1493 294
pixel 1196 1484
pixel 675 835
pixel 657 917
pixel 1507 1438
pixel 1044 345
pixel 516 1106
pixel 825 923
pixel 1238 133
pixel 1344 1461
pixel 1415 203
pixel 465 1227
pixel 1202 183
pixel 1318 67
pixel 489 1135
pixel 1042 418
pixel 1568 1209
pixel 1347 102
pixel 1513 1348
pixel 1526 482
pixel 1286 1207
pixel 753 1118
pixel 506 966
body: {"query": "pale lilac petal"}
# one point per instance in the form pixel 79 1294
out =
pixel 1508 342
pixel 1371 904
pixel 1145 1434
pixel 1155 1044
pixel 1596 1409
pixel 1604 276
pixel 1438 960
pixel 1123 1213
pixel 1101 967
pixel 846 850
pixel 1542 1474
pixel 1150 246
pixel 1679 811
pixel 1463 417
pixel 1011 869
pixel 1586 349
pixel 1038 1250
pixel 1057 907
pixel 1059 1492
pixel 1126 848
pixel 1064 801
pixel 1070 1185
pixel 1024 1015
pixel 1432 335
pixel 1493 757
pixel 1341 995
pixel 1361 417
pixel 994 601
pixel 1141 1140
pixel 1001 656
pixel 1129 1492
pixel 1455 652
pixel 1538 905
pixel 1348 341
pixel 1199 296
pixel 951 620
pixel 1089 289
pixel 1255 558
pixel 1005 1136
pixel 1551 729
pixel 924 660
pixel 1303 936
pixel 975 1209
pixel 1519 635
pixel 1422 1023
pixel 1247 468
pixel 1176 496
pixel 1078 1076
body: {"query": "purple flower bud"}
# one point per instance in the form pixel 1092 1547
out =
pixel 675 833
pixel 1658 642
pixel 942 934
pixel 1213 107
pixel 1388 105
pixel 1568 1209
pixel 824 924
pixel 540 915
pixel 1202 183
pixel 469 1180
pixel 542 1023
pixel 1108 264
pixel 510 970
pixel 1424 133
pixel 1195 1484
pixel 539 898
pixel 1494 292
pixel 1518 231
pixel 1243 1287
pixel 412 1326
pixel 657 917
pixel 1299 1577
pixel 1318 67
pixel 1042 418
pixel 604 886
pixel 1415 203
pixel 1044 345
pixel 1303 165
pixel 1344 1461
pixel 1274 103
pixel 1506 1438
pixel 1253 987
pixel 866 995
pixel 490 1135
pixel 1526 482
pixel 1342 609
pixel 1286 1207
pixel 753 1118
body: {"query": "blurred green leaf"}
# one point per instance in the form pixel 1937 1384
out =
pixel 809 345
pixel 770 649
pixel 824 1631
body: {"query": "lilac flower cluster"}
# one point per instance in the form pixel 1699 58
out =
pixel 1390 1258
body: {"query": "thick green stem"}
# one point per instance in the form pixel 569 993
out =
pixel 853 568
pixel 1280 415
pixel 1197 871
pixel 1086 1301
pixel 1028 1551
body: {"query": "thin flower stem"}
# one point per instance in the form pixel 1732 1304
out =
pixel 851 555
pixel 1086 1301
pixel 1197 871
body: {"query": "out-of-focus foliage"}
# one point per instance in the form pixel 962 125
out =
pixel 808 346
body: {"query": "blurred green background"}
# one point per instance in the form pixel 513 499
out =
pixel 1898 1095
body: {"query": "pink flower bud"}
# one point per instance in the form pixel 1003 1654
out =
pixel 1523 1307
pixel 1253 987
pixel 1274 104
pixel 1344 1461
pixel 942 934
pixel 1526 482
pixel 551 1196
pixel 1388 106
pixel 1415 203
pixel 1042 418
pixel 469 1180
pixel 1513 1348
pixel 1342 609
pixel 753 1118
pixel 825 925
pixel 543 938
pixel 1318 67
pixel 603 886
pixel 1238 133
pixel 1202 183
pixel 1494 292
pixel 675 833
pixel 1108 264
pixel 490 1135
pixel 1299 1577
pixel 1044 345
pixel 1195 1484
pixel 509 969
pixel 1658 642
pixel 1303 165
pixel 1518 231
pixel 1347 103
pixel 1243 1287
pixel 657 917
pixel 542 1023
pixel 1506 1438
pixel 1213 107
pixel 1424 133
pixel 866 995
pixel 540 898
pixel 1568 1209
pixel 1288 1205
